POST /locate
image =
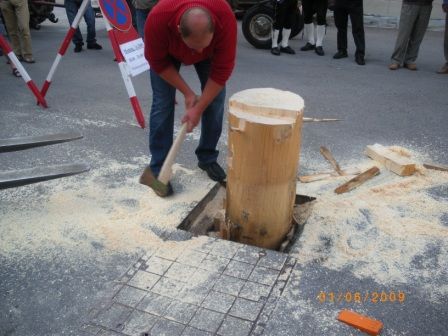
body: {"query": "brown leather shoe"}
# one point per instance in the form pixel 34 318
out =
pixel 443 70
pixel 410 66
pixel 394 66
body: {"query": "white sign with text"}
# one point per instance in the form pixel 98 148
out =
pixel 134 55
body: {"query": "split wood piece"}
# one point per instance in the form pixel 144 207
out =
pixel 364 323
pixel 357 181
pixel 307 119
pixel 391 160
pixel 263 157
pixel 328 175
pixel 330 158
pixel 436 166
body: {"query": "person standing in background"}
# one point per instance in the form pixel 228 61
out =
pixel 284 18
pixel 17 18
pixel 142 9
pixel 342 10
pixel 71 8
pixel 444 68
pixel 414 19
pixel 309 8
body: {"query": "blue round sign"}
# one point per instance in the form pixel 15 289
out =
pixel 117 13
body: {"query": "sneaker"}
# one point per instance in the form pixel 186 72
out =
pixel 78 47
pixel 275 51
pixel 443 70
pixel 394 66
pixel 287 50
pixel 340 54
pixel 214 171
pixel 308 46
pixel 410 66
pixel 320 51
pixel 359 59
pixel 94 46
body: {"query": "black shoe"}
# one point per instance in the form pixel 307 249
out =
pixel 359 59
pixel 287 50
pixel 214 171
pixel 78 48
pixel 94 46
pixel 320 51
pixel 308 46
pixel 340 54
pixel 275 51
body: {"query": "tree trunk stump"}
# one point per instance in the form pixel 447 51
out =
pixel 264 148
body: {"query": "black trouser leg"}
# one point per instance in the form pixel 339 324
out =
pixel 341 21
pixel 357 18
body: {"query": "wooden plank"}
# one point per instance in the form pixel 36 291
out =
pixel 436 166
pixel 328 175
pixel 357 181
pixel 364 323
pixel 330 158
pixel 392 161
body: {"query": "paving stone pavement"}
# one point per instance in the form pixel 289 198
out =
pixel 217 288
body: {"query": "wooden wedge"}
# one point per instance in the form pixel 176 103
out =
pixel 330 158
pixel 435 166
pixel 357 181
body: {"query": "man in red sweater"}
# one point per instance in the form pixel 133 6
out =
pixel 191 32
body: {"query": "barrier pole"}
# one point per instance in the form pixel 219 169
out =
pixel 125 75
pixel 15 61
pixel 64 46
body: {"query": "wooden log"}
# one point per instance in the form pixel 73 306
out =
pixel 357 181
pixel 436 166
pixel 264 147
pixel 394 162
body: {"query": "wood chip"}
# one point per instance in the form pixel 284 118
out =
pixel 328 175
pixel 357 181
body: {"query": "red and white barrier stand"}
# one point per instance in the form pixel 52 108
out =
pixel 15 61
pixel 64 46
pixel 115 46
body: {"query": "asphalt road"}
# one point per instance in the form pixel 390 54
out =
pixel 51 296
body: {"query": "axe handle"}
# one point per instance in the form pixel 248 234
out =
pixel 166 172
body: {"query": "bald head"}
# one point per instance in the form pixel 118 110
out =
pixel 196 22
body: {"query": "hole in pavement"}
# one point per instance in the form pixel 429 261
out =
pixel 208 215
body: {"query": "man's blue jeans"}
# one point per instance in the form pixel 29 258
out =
pixel 140 18
pixel 71 8
pixel 161 120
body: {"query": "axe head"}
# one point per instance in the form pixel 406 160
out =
pixel 148 178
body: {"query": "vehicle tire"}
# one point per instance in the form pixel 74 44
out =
pixel 257 26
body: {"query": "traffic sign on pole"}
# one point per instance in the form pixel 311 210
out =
pixel 117 13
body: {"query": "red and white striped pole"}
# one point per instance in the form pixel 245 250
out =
pixel 125 75
pixel 64 46
pixel 15 61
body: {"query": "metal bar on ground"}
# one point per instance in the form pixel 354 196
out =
pixel 20 143
pixel 17 178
